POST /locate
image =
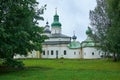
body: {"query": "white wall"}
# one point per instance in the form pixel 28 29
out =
pixel 58 39
pixel 90 53
pixel 74 53
pixel 55 30
pixel 33 54
pixel 59 48
pixel 70 53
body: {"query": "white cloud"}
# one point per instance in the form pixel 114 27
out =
pixel 74 15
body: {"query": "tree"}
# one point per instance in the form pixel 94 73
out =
pixel 113 34
pixel 100 23
pixel 19 30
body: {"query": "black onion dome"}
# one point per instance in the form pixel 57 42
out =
pixel 47 31
pixel 74 37
pixel 47 24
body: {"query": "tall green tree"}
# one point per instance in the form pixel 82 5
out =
pixel 113 35
pixel 100 23
pixel 19 30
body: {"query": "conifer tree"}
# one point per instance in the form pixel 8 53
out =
pixel 100 23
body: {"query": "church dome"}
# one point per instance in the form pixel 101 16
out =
pixel 47 24
pixel 56 22
pixel 89 31
pixel 74 45
pixel 74 37
pixel 47 30
pixel 89 42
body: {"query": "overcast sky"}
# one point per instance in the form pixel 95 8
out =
pixel 73 15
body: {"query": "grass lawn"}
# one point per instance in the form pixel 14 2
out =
pixel 44 69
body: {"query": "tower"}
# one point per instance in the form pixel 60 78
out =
pixel 56 25
pixel 47 29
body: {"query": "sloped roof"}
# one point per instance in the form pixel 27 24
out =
pixel 59 36
pixel 89 42
pixel 74 45
pixel 55 42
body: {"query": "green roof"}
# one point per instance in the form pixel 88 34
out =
pixel 56 22
pixel 74 45
pixel 89 42
pixel 89 31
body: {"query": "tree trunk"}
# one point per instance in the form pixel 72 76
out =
pixel 114 57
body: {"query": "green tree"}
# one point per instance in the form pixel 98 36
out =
pixel 19 30
pixel 113 35
pixel 100 23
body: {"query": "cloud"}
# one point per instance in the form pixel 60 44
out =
pixel 74 15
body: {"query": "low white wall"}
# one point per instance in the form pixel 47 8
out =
pixel 90 53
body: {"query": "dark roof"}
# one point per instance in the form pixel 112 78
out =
pixel 47 31
pixel 74 37
pixel 55 42
pixel 47 24
pixel 58 36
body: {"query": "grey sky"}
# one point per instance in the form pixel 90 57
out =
pixel 73 15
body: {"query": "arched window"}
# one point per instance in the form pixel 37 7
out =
pixel 52 52
pixel 43 52
pixel 74 53
pixel 92 53
pixel 65 52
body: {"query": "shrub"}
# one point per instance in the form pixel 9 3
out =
pixel 13 63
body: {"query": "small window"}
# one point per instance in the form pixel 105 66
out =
pixel 79 53
pixel 84 53
pixel 92 53
pixel 65 52
pixel 52 52
pixel 74 53
pixel 43 52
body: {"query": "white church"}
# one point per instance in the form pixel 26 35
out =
pixel 62 46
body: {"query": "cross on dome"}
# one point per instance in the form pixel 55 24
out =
pixel 56 10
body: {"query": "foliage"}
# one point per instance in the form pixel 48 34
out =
pixel 100 23
pixel 13 63
pixel 113 35
pixel 41 69
pixel 19 30
pixel 106 24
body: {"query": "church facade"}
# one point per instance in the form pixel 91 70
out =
pixel 62 46
pixel 59 45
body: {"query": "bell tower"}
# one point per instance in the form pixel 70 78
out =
pixel 56 25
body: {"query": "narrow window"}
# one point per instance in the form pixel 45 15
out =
pixel 74 53
pixel 84 53
pixel 52 52
pixel 43 52
pixel 92 53
pixel 65 52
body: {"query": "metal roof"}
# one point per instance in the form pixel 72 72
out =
pixel 58 36
pixel 55 42
pixel 74 45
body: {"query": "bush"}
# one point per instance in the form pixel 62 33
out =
pixel 13 63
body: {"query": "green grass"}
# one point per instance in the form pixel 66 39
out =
pixel 45 69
